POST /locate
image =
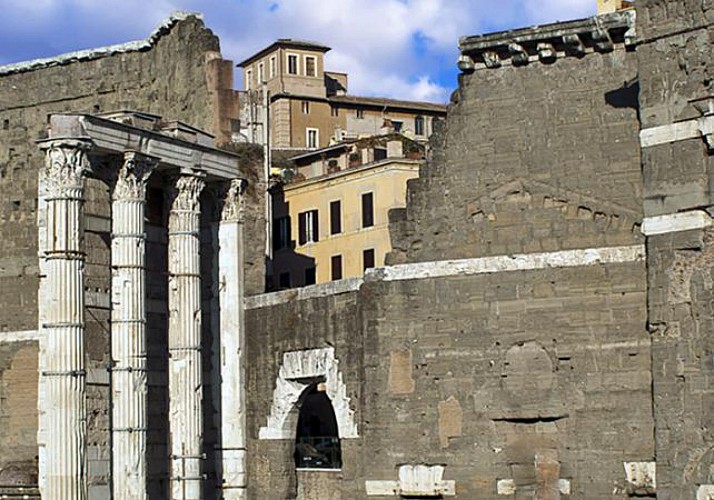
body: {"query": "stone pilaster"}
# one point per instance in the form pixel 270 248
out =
pixel 185 373
pixel 128 323
pixel 62 407
pixel 232 340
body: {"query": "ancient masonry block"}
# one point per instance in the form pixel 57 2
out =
pixel 400 372
pixel 415 481
pixel 451 420
pixel 641 477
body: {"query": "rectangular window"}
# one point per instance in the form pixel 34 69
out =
pixel 273 66
pixel 249 79
pixel 310 276
pixel 367 259
pixel 261 73
pixel 313 138
pixel 419 125
pixel 359 113
pixel 380 154
pixel 305 107
pixel 336 265
pixel 367 210
pixel 335 217
pixel 281 233
pixel 292 64
pixel 397 126
pixel 284 280
pixel 308 227
pixel 310 66
pixel 334 111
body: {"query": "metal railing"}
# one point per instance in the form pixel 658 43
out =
pixel 318 452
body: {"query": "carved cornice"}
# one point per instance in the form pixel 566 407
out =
pixel 547 43
pixel 184 193
pixel 66 164
pixel 133 176
pixel 230 200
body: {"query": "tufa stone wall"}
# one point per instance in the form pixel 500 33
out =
pixel 536 157
pixel 676 72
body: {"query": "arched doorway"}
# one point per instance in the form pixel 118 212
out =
pixel 317 442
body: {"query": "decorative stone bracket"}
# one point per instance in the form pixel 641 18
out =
pixel 548 43
pixel 415 481
pixel 299 370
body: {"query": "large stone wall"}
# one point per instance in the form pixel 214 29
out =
pixel 533 158
pixel 505 368
pixel 676 72
pixel 480 373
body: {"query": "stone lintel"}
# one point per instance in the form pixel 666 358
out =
pixel 572 38
pixel 177 147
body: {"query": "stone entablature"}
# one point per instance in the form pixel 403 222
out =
pixel 547 43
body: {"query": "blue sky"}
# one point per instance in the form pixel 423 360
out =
pixel 393 48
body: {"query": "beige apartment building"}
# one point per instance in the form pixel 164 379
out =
pixel 309 107
pixel 331 219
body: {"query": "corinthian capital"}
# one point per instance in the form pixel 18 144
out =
pixel 133 176
pixel 184 193
pixel 66 163
pixel 229 200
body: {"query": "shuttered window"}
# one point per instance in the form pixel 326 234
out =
pixel 367 210
pixel 336 267
pixel 308 227
pixel 335 217
pixel 368 259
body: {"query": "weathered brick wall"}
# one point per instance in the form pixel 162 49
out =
pixel 502 367
pixel 674 55
pixel 534 158
pixel 180 77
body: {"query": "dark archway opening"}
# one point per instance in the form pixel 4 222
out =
pixel 317 443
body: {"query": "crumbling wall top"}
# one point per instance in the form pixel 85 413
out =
pixel 96 53
pixel 549 42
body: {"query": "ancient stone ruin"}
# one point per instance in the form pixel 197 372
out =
pixel 544 329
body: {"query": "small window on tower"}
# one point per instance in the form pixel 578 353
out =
pixel 310 66
pixel 292 64
pixel 313 138
pixel 419 125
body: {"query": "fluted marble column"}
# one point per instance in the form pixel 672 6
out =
pixel 232 342
pixel 185 374
pixel 63 431
pixel 128 323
